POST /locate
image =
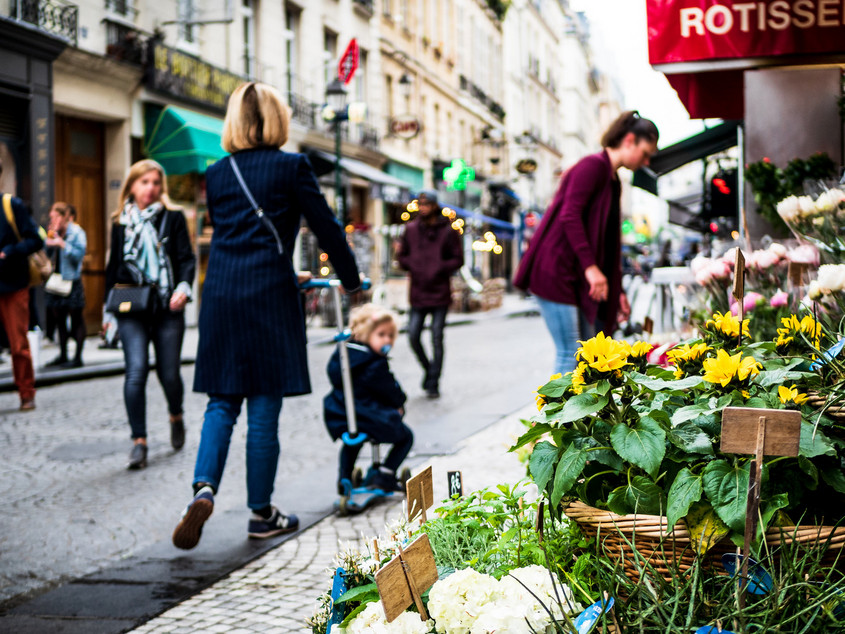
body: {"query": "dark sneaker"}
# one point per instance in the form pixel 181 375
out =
pixel 73 363
pixel 27 404
pixel 137 457
pixel 432 393
pixel 387 482
pixel 277 524
pixel 177 433
pixel 189 529
pixel 58 361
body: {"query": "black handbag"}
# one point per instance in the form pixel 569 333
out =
pixel 125 299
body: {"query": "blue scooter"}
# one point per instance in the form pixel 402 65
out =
pixel 357 494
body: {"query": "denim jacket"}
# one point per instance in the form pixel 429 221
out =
pixel 70 261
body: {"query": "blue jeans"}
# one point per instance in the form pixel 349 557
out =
pixel 567 326
pixel 166 331
pixel 262 443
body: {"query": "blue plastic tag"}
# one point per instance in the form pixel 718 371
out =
pixel 759 581
pixel 829 355
pixel 587 620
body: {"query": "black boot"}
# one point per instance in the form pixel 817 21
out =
pixel 138 457
pixel 177 433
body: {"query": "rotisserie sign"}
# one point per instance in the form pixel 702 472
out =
pixel 702 30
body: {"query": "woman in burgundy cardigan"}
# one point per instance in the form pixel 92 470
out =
pixel 573 264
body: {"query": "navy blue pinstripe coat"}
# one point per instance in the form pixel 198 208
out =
pixel 251 328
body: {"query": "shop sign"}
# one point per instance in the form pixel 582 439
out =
pixel 702 30
pixel 405 126
pixel 526 166
pixel 189 78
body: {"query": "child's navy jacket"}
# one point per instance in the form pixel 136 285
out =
pixel 377 394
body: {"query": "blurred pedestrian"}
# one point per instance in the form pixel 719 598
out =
pixel 572 264
pixel 150 250
pixel 431 251
pixel 66 244
pixel 251 328
pixel 378 398
pixel 18 239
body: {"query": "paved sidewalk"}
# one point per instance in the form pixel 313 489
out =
pixel 101 362
pixel 278 591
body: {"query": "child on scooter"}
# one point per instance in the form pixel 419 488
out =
pixel 379 399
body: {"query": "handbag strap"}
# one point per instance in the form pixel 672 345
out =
pixel 255 207
pixel 10 215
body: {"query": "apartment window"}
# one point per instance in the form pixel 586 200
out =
pixel 329 54
pixel 388 94
pixel 387 8
pixel 292 17
pixel 248 19
pixel 405 11
pixel 187 15
pixel 125 8
pixel 361 77
pixel 437 131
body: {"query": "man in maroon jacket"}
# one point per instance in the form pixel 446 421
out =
pixel 431 251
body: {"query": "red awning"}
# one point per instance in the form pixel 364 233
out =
pixel 713 95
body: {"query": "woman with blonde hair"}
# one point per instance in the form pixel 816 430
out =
pixel 151 256
pixel 251 328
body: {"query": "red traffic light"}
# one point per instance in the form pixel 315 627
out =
pixel 714 228
pixel 722 186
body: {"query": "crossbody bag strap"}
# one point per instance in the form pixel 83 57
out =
pixel 10 215
pixel 255 207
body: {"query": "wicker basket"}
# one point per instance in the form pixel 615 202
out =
pixel 817 401
pixel 666 552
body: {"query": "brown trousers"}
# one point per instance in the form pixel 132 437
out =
pixel 14 315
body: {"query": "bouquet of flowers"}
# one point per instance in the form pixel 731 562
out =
pixel 819 222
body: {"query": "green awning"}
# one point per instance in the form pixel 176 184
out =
pixel 183 141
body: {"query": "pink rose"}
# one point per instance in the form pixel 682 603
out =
pixel 779 299
pixel 753 300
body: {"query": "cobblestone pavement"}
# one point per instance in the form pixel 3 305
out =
pixel 68 506
pixel 278 591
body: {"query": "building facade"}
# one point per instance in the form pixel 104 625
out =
pixel 445 83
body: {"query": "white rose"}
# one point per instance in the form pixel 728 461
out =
pixel 826 202
pixel 788 208
pixel 806 206
pixel 805 254
pixel 831 277
pixel 703 277
pixel 699 263
pixel 815 291
pixel 766 260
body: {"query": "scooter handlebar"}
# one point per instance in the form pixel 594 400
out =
pixel 366 284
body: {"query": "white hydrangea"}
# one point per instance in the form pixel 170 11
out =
pixel 506 618
pixel 373 621
pixel 456 601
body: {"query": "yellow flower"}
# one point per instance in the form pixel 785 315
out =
pixel 555 377
pixel 728 324
pixel 679 374
pixel 724 368
pixel 745 394
pixel 791 395
pixel 640 349
pixel 687 352
pixel 578 381
pixel 603 353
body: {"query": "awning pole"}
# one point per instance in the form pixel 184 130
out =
pixel 740 177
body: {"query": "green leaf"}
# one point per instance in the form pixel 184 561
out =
pixel 541 465
pixel 685 490
pixel 768 378
pixel 358 593
pixel 834 478
pixel 726 486
pixel 640 496
pixel 814 443
pixel 349 617
pixel 581 406
pixel 691 438
pixel 531 435
pixel 806 465
pixel 644 444
pixel 556 388
pixel 690 412
pixel 568 470
pixel 705 527
pixel 657 385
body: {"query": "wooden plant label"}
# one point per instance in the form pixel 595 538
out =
pixel 456 484
pixel 648 325
pixel 739 431
pixel 739 277
pixel 420 494
pixel 404 579
pixel 796 273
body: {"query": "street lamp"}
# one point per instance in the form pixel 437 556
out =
pixel 405 83
pixel 336 103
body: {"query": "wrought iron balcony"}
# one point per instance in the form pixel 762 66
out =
pixel 55 16
pixel 367 7
pixel 302 110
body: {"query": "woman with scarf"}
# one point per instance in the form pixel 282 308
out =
pixel 150 246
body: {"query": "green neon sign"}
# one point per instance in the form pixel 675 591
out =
pixel 458 175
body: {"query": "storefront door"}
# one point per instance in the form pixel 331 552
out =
pixel 80 181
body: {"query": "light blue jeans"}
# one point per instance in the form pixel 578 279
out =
pixel 567 326
pixel 262 443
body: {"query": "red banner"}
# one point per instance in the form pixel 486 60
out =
pixel 699 30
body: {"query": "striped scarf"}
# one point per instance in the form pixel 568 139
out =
pixel 143 252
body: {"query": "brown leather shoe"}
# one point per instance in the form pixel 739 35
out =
pixel 27 404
